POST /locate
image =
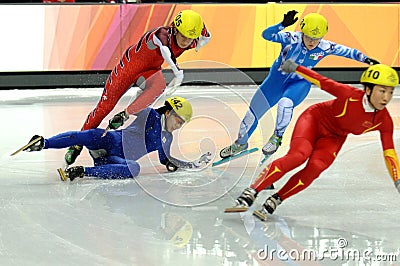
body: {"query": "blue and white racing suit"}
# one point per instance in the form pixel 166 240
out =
pixel 288 90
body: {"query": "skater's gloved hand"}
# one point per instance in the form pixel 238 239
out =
pixel 289 18
pixel 371 61
pixel 175 83
pixel 397 184
pixel 202 161
pixel 289 66
pixel 118 120
pixel 203 40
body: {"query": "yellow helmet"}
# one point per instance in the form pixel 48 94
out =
pixel 380 74
pixel 314 25
pixel 183 235
pixel 189 24
pixel 181 107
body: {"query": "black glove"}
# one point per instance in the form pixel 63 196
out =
pixel 118 120
pixel 371 61
pixel 289 18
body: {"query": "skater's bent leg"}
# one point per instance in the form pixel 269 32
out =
pixel 284 116
pixel 297 91
pixel 325 152
pixel 300 150
pixel 118 82
pixel 103 108
pixel 265 97
pixel 110 171
pixel 247 127
pixel 292 96
pixel 153 85
pixel 89 138
pixel 114 168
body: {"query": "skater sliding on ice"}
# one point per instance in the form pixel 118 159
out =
pixel 115 154
pixel 140 66
pixel 322 129
pixel 288 90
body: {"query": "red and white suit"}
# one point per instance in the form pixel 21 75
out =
pixel 141 66
pixel 320 132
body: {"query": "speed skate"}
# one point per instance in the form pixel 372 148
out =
pixel 227 159
pixel 62 174
pixel 26 146
pixel 238 208
pixel 260 215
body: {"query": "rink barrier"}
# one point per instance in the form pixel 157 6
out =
pixel 94 79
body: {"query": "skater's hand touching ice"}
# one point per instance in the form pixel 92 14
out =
pixel 202 161
pixel 174 164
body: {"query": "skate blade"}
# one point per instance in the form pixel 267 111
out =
pixel 105 132
pixel 62 174
pixel 266 157
pixel 260 215
pixel 25 146
pixel 236 209
pixel 230 158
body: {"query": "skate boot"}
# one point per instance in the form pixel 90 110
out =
pixel 74 172
pixel 72 153
pixel 233 149
pixel 244 201
pixel 272 145
pixel 247 198
pixel 35 144
pixel 269 206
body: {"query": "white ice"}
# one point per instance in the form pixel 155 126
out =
pixel 164 218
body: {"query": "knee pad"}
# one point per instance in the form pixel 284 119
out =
pixel 284 115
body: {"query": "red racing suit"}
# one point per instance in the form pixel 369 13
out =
pixel 320 132
pixel 140 65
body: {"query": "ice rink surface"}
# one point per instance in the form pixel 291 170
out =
pixel 349 216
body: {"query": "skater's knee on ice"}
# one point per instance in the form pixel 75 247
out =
pixel 134 169
pixel 285 102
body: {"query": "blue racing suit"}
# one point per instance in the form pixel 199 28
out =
pixel 288 90
pixel 115 154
